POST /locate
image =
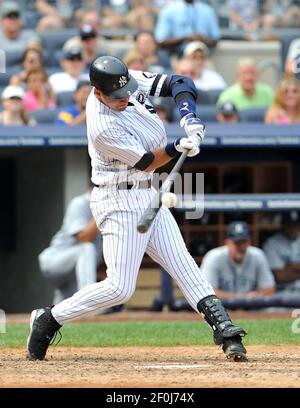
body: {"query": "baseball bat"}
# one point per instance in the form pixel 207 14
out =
pixel 153 208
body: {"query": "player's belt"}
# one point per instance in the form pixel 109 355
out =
pixel 127 185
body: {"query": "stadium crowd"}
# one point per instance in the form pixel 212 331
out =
pixel 49 46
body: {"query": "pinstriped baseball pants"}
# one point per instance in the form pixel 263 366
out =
pixel 123 250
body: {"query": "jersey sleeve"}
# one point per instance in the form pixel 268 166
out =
pixel 149 83
pixel 77 216
pixel 209 269
pixel 265 278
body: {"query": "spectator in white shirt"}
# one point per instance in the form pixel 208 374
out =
pixel 73 67
pixel 206 79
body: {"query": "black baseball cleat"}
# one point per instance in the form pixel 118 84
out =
pixel 225 332
pixel 43 328
pixel 234 349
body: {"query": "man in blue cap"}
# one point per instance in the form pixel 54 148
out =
pixel 238 269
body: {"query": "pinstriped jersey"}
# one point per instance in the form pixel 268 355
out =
pixel 118 140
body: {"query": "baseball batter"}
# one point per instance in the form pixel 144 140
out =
pixel 127 142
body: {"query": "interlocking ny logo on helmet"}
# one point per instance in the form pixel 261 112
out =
pixel 122 81
pixel 111 76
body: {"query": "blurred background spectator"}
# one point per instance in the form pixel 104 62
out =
pixel 39 94
pixel 73 71
pixel 186 67
pixel 281 13
pixel 89 38
pixel 75 113
pixel 206 79
pixel 292 62
pixel 227 113
pixel 286 106
pixel 134 60
pixel 283 253
pixel 51 18
pixel 57 14
pixel 13 113
pixel 247 92
pixel 12 36
pixel 32 58
pixel 135 14
pixel 88 44
pixel 238 270
pixel 156 59
pixel 244 15
pixel 184 21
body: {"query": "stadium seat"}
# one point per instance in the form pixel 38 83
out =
pixel 208 97
pixel 203 97
pixel 5 76
pixel 252 115
pixel 44 115
pixel 65 98
pixel 13 58
pixel 207 113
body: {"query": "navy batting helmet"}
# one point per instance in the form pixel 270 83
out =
pixel 110 75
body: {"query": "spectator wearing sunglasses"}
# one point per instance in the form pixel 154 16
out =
pixel 13 113
pixel 285 108
pixel 73 71
pixel 12 37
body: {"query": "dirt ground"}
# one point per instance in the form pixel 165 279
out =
pixel 151 367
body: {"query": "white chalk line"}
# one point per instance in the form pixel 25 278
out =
pixel 174 366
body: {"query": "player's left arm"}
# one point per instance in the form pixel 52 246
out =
pixel 89 233
pixel 184 92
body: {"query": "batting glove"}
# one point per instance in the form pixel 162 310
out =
pixel 188 143
pixel 193 127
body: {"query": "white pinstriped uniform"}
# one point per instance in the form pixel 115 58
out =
pixel 116 142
